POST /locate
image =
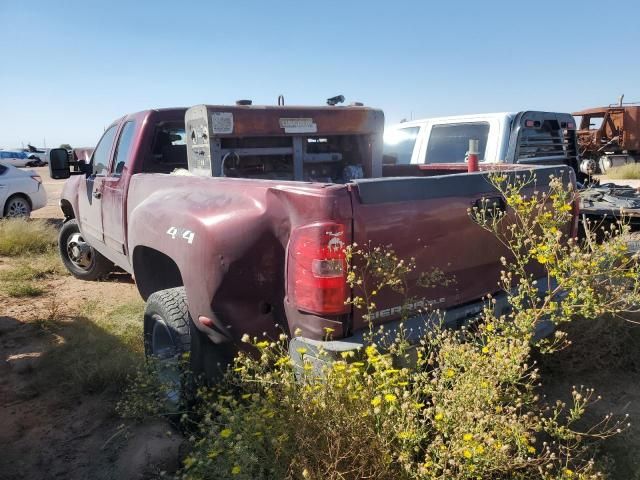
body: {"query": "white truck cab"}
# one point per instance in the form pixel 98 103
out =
pixel 508 137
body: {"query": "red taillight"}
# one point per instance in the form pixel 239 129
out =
pixel 317 268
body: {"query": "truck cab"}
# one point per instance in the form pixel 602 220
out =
pixel 528 137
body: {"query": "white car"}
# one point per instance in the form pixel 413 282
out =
pixel 21 192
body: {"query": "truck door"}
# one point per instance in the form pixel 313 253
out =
pixel 114 192
pixel 90 192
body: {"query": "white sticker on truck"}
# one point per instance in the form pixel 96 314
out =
pixel 181 233
pixel 298 125
pixel 222 122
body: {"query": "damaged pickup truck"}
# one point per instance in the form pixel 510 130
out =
pixel 245 236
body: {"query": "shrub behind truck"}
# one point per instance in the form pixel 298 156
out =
pixel 250 239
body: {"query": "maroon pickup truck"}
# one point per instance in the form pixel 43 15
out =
pixel 231 220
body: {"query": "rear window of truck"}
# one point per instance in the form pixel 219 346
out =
pixel 399 144
pixel 544 140
pixel 449 143
pixel 168 149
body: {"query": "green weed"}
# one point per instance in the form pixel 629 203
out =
pixel 22 289
pixel 22 236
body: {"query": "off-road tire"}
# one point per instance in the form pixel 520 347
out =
pixel 168 312
pixel 97 265
pixel 167 336
pixel 171 307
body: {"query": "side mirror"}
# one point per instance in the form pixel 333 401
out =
pixel 59 166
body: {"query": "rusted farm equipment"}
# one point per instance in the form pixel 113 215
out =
pixel 609 136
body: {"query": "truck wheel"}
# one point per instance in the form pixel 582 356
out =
pixel 166 337
pixel 80 258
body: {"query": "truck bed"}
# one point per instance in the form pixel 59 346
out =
pixel 231 241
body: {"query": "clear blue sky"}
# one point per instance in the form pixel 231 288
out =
pixel 68 68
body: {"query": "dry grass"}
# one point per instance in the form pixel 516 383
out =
pixel 96 347
pixel 28 272
pixel 22 237
pixel 22 289
pixel 630 171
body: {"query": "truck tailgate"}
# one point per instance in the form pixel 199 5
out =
pixel 427 218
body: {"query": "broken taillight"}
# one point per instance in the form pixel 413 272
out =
pixel 317 268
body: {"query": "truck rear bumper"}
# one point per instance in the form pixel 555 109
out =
pixel 321 351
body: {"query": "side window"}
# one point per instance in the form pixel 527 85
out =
pixel 100 157
pixel 399 144
pixel 168 149
pixel 123 149
pixel 450 143
pixel 3 169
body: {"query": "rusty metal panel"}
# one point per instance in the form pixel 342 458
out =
pixel 619 131
pixel 218 136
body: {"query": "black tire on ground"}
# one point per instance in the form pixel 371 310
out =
pixel 17 206
pixel 81 259
pixel 167 337
pixel 169 332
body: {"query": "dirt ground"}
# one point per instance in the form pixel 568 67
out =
pixel 50 433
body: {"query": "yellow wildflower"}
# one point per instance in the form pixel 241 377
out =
pixel 226 433
pixel 236 470
pixel 376 401
pixel 390 398
pixel 467 454
pixel 467 437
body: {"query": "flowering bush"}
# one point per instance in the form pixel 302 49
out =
pixel 458 405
